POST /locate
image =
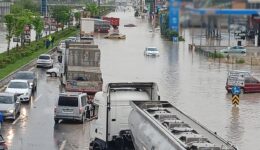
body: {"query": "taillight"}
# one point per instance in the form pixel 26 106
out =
pixel 81 110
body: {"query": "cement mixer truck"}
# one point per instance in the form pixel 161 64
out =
pixel 111 108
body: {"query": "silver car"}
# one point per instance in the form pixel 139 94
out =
pixel 45 60
pixel 9 105
pixel 71 106
pixel 29 76
pixel 234 49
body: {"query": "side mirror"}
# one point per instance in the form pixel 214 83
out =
pixel 31 85
pixel 60 59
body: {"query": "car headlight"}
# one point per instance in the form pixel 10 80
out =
pixel 11 111
pixel 26 93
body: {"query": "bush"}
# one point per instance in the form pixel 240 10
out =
pixel 240 61
pixel 217 55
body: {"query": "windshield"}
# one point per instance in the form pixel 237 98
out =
pixel 68 101
pixel 6 99
pixel 18 85
pixel 24 76
pixel 44 57
pixel 152 49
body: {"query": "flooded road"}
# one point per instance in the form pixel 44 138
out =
pixel 185 78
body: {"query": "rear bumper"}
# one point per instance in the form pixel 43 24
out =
pixel 44 65
pixel 67 117
pixel 7 115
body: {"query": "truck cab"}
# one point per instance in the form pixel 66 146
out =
pixel 110 130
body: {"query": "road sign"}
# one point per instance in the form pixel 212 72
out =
pixel 235 99
pixel 235 90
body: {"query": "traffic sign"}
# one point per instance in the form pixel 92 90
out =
pixel 235 99
pixel 235 90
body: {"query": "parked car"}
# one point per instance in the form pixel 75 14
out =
pixel 9 105
pixel 29 76
pixel 61 46
pixel 45 60
pixel 54 72
pixel 20 87
pixel 151 51
pixel 72 39
pixel 114 36
pixel 3 146
pixel 71 106
pixel 234 49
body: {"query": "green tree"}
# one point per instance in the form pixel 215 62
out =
pixel 31 5
pixel 77 16
pixel 9 21
pixel 61 14
pixel 38 25
pixel 93 9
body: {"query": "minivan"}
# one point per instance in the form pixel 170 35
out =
pixel 71 106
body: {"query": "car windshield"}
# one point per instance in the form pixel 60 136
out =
pixel 24 76
pixel 44 57
pixel 68 101
pixel 152 49
pixel 6 100
pixel 18 85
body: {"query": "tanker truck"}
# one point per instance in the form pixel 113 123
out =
pixel 158 125
pixel 111 108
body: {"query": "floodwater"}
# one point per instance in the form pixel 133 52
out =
pixel 186 79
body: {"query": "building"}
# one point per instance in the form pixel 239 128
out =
pixel 4 9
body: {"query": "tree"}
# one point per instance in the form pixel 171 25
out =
pixel 77 16
pixel 38 25
pixel 31 5
pixel 93 9
pixel 9 21
pixel 61 14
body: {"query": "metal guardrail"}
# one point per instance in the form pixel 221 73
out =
pixel 27 66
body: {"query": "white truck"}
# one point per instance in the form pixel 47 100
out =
pixel 110 131
pixel 87 27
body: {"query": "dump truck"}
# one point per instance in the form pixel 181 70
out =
pixel 80 68
pixel 87 27
pixel 110 129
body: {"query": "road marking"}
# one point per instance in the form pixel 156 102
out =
pixel 37 98
pixel 62 146
pixel 17 119
pixel 31 69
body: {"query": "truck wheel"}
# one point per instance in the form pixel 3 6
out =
pixel 56 121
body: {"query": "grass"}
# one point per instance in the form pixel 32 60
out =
pixel 31 52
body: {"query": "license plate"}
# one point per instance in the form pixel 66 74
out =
pixel 67 110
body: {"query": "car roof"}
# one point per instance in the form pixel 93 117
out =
pixel 45 55
pixel 70 94
pixel 25 72
pixel 18 80
pixel 151 47
pixel 6 94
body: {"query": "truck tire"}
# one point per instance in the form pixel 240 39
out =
pixel 53 74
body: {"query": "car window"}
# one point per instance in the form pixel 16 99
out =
pixel 44 57
pixel 152 49
pixel 24 75
pixel 83 101
pixel 68 101
pixel 18 85
pixel 6 100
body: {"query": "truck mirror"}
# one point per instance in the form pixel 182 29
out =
pixel 60 59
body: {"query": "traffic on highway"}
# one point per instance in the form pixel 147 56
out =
pixel 130 88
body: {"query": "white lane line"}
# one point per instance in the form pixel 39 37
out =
pixel 37 98
pixel 31 69
pixel 62 146
pixel 16 120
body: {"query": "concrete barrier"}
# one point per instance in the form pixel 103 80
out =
pixel 27 66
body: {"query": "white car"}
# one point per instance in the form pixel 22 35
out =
pixel 22 88
pixel 45 60
pixel 234 49
pixel 151 51
pixel 62 45
pixel 54 72
pixel 9 105
pixel 72 39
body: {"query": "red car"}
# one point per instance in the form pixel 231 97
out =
pixel 251 85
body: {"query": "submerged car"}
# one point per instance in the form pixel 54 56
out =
pixel 151 51
pixel 54 72
pixel 234 49
pixel 114 36
pixel 20 87
pixel 45 60
pixel 9 105
pixel 29 76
